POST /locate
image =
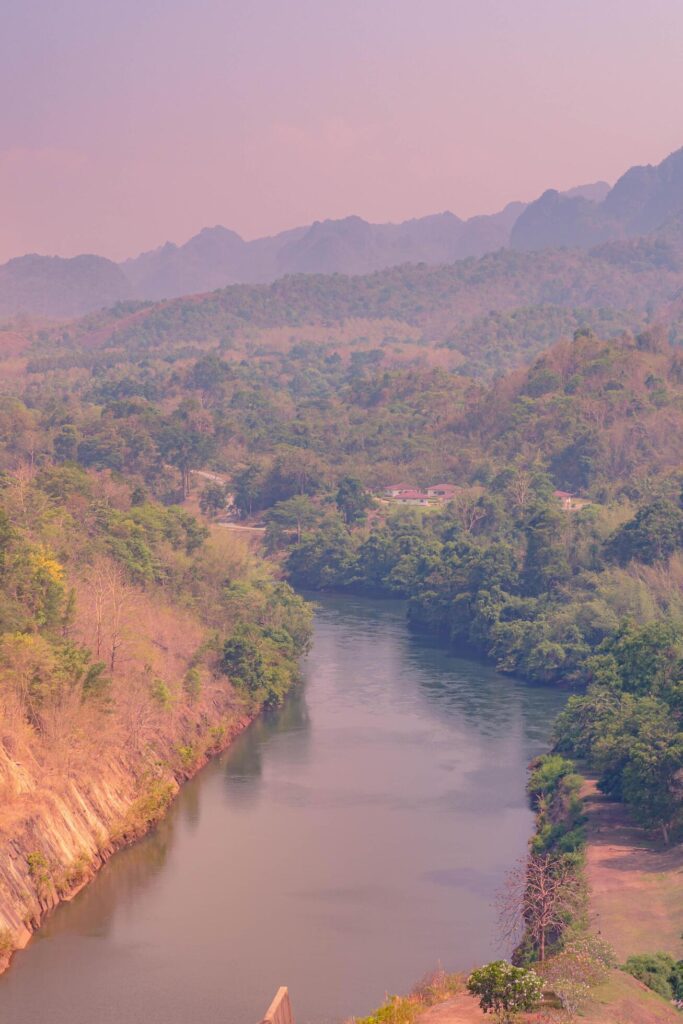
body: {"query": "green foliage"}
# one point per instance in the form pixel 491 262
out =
pixel 39 870
pixel 548 771
pixel 655 532
pixel 147 810
pixel 505 990
pixel 213 499
pixel 658 971
pixel 192 685
pixel 161 694
pixel 293 514
pixel 352 499
pixel 262 661
pixel 188 756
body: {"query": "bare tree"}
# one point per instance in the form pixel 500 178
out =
pixel 537 899
pixel 113 603
pixel 521 489
pixel 468 509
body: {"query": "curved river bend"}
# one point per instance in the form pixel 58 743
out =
pixel 343 846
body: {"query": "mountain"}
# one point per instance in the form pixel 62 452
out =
pixel 52 286
pixel 642 201
pixel 483 315
pixel 217 257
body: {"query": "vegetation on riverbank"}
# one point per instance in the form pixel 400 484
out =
pixel 115 618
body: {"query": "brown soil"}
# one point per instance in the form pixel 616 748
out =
pixel 636 882
pixel 460 1009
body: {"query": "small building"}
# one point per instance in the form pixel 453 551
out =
pixel 409 494
pixel 570 502
pixel 413 497
pixel 445 492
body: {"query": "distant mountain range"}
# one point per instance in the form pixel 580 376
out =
pixel 645 200
pixel 641 202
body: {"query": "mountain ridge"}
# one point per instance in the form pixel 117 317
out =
pixel 640 202
pixel 217 257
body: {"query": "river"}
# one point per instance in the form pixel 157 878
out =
pixel 343 846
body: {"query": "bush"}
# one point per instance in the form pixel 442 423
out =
pixel 546 774
pixel 654 970
pixel 39 870
pixel 192 685
pixel 505 990
pixel 434 987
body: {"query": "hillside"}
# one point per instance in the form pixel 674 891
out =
pixel 52 286
pixel 120 670
pixel 490 314
pixel 217 257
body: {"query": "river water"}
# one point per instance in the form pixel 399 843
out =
pixel 343 846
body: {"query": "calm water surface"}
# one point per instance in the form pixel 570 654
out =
pixel 343 846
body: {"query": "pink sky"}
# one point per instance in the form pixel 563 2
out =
pixel 128 122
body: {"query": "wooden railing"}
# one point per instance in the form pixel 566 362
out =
pixel 280 1010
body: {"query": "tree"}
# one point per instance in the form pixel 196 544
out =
pixel 213 498
pixel 505 990
pixel 652 782
pixel 186 448
pixel 248 485
pixel 545 565
pixel 353 500
pixel 242 660
pixel 655 532
pixel 538 898
pixel 297 513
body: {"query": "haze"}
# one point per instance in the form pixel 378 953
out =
pixel 131 123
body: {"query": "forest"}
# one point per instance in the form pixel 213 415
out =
pixel 105 521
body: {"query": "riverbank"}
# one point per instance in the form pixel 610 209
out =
pixel 56 836
pixel 373 813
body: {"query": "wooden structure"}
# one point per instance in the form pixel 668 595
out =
pixel 280 1010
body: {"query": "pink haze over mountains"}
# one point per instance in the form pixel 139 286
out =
pixel 132 123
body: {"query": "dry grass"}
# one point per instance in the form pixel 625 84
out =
pixel 636 886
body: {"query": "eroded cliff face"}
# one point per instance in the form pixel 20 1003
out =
pixel 55 833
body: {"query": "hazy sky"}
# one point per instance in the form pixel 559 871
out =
pixel 124 123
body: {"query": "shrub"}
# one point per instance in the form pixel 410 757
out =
pixel 192 685
pixel 654 970
pixel 188 756
pixel 39 870
pixel 505 990
pixel 546 775
pixel 161 694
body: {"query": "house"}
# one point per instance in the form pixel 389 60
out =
pixel 413 497
pixel 443 491
pixel 409 494
pixel 570 502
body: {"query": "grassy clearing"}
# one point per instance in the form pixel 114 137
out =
pixel 636 885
